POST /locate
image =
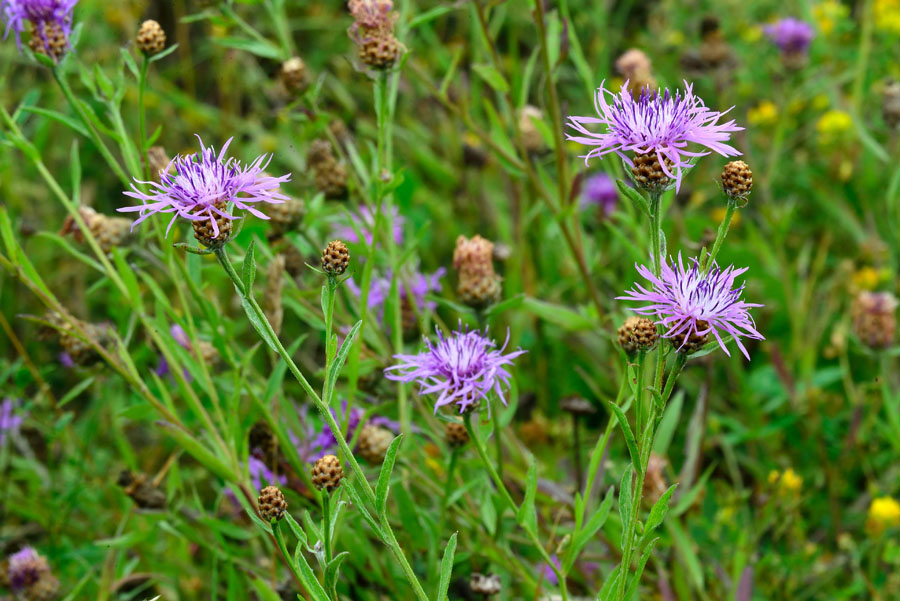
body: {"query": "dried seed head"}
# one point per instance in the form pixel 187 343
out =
pixel 456 435
pixel 374 443
pixel 144 494
pixel 737 180
pixel 531 135
pixel 485 585
pixel 380 51
pixel 262 438
pixel 648 174
pixel 655 484
pixel 110 232
pixel 637 334
pixel 330 175
pixel 335 258
pixel 271 503
pixel 272 296
pixel 875 318
pixel 285 217
pixel 294 75
pixel 479 286
pixel 577 406
pixel 890 104
pixel 160 162
pixel 693 343
pixel 79 351
pixel 51 41
pixel 319 152
pixel 373 32
pixel 327 473
pixel 206 234
pixel 151 39
pixel 636 68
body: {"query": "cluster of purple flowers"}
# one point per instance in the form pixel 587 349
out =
pixel 420 285
pixel 203 184
pixel 42 14
pixel 10 418
pixel 315 443
pixel 599 190
pixel 792 36
pixel 364 219
pixel 463 369
pixel 657 122
pixel 689 302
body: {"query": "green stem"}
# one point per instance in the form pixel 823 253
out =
pixel 706 262
pixel 142 117
pixel 326 524
pixel 655 229
pixel 501 487
pixel 498 442
pixel 95 136
pixel 329 289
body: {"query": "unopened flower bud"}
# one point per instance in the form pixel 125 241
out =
pixel 335 258
pixel 151 39
pixel 532 138
pixel 479 285
pixel 456 435
pixel 294 74
pixel 271 503
pixel 637 334
pixel 874 318
pixel 737 180
pixel 327 473
pixel 373 443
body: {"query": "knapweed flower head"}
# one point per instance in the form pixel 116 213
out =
pixel 373 32
pixel 316 443
pixel 45 16
pixel 792 36
pixel 364 222
pixel 10 418
pixel 657 123
pixel 690 303
pixel 203 184
pixel 600 191
pixel 26 567
pixel 462 369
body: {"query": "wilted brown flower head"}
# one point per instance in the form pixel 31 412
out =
pixel 875 318
pixel 479 285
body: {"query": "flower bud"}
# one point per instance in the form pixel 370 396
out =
pixel 335 258
pixel 271 503
pixel 151 39
pixel 327 473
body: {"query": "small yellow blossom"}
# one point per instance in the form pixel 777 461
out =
pixel 866 278
pixel 718 214
pixel 827 14
pixel 887 16
pixel 884 513
pixel 764 114
pixel 833 126
pixel 788 483
pixel 752 34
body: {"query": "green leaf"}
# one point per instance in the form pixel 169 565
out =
pixel 298 531
pixel 446 568
pixel 197 450
pixel 686 553
pixel 75 391
pixel 361 507
pixel 610 585
pixel 129 62
pixel 667 425
pixel 331 572
pixel 69 122
pixel 630 441
pixel 248 269
pixel 103 82
pixel 636 579
pixel 257 324
pixel 337 365
pixel 384 478
pixel 625 500
pixel 658 512
pixel 492 77
pixel 260 48
pixel 163 54
pixel 636 198
pixel 527 516
pixel 584 535
pixel 557 314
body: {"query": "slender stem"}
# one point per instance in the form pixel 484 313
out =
pixel 285 554
pixel 706 262
pixel 576 450
pixel 501 487
pixel 142 117
pixel 498 442
pixel 326 524
pixel 329 289
pixel 95 136
pixel 655 231
pixel 442 520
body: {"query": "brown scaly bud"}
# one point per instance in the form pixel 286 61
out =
pixel 479 286
pixel 875 318
pixel 648 174
pixel 151 39
pixel 110 232
pixel 262 438
pixel 77 349
pixel 456 435
pixel 655 484
pixel 373 32
pixel 160 162
pixel 284 217
pixel 206 234
pixel 635 66
pixel 577 406
pixel 531 135
pixel 890 104
pixel 374 443
pixel 327 473
pixel 637 334
pixel 206 352
pixel 335 258
pixel 50 41
pixel 486 585
pixel 271 503
pixel 330 175
pixel 294 75
pixel 380 52
pixel 692 343
pixel 737 180
pixel 272 297
pixel 144 493
pixel 319 152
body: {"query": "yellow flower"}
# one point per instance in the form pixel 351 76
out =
pixel 887 15
pixel 791 482
pixel 866 278
pixel 763 114
pixel 884 513
pixel 752 34
pixel 833 126
pixel 718 214
pixel 827 14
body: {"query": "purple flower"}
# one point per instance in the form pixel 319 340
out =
pixel 548 573
pixel 203 184
pixel 42 14
pixel 181 337
pixel 317 443
pixel 464 368
pixel 657 122
pixel 420 285
pixel 364 219
pixel 260 474
pixel 689 302
pixel 25 568
pixel 600 190
pixel 792 36
pixel 10 418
